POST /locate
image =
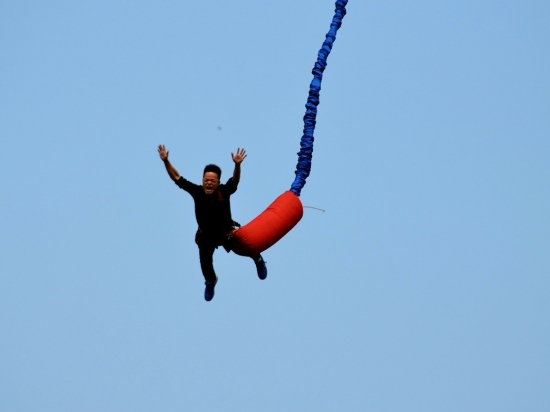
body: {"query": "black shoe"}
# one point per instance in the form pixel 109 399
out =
pixel 260 267
pixel 209 290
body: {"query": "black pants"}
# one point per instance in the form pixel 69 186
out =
pixel 206 256
pixel 207 246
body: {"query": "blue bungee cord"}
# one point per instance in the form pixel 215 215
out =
pixel 306 143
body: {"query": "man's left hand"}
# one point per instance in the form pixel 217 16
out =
pixel 239 157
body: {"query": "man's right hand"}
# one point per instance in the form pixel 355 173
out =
pixel 163 153
pixel 172 172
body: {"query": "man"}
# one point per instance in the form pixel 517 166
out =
pixel 213 214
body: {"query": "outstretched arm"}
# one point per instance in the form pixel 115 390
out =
pixel 172 172
pixel 238 159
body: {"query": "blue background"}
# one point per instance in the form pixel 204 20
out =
pixel 423 287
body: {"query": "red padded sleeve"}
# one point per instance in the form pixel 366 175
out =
pixel 269 227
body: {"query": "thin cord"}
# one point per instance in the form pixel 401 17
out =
pixel 316 208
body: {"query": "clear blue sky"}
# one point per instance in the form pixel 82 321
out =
pixel 423 287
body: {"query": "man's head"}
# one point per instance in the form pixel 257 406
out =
pixel 211 178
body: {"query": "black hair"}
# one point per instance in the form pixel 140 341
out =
pixel 213 168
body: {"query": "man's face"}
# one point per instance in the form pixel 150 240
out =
pixel 210 182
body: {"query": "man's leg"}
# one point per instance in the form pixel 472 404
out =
pixel 206 255
pixel 259 261
pixel 260 266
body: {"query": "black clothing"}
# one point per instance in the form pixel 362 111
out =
pixel 213 213
pixel 213 216
pixel 206 257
